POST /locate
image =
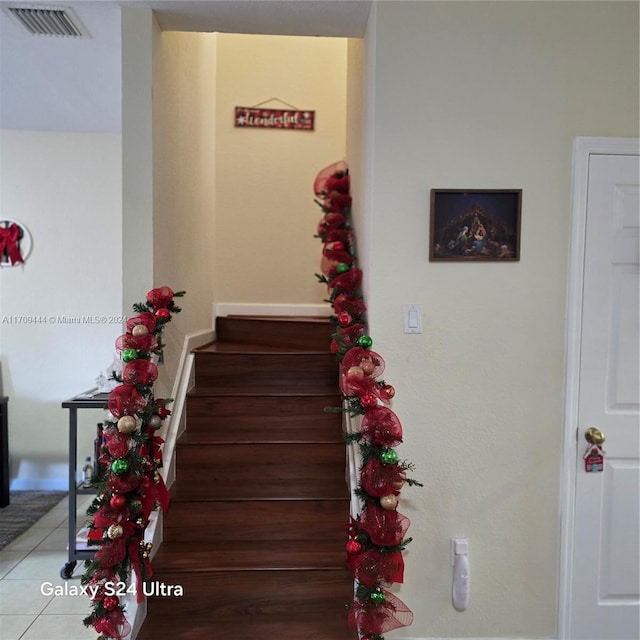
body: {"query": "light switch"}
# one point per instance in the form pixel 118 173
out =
pixel 413 318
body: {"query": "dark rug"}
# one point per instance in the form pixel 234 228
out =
pixel 25 508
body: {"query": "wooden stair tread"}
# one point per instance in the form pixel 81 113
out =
pixel 257 435
pixel 203 391
pixel 225 594
pixel 308 522
pixel 302 491
pixel 311 319
pixel 330 625
pixel 248 556
pixel 245 348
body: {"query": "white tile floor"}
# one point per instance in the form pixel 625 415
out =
pixel 27 566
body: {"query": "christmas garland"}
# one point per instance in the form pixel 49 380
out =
pixel 130 486
pixel 376 538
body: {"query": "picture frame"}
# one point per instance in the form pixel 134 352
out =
pixel 475 225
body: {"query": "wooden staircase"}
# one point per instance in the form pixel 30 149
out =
pixel 254 533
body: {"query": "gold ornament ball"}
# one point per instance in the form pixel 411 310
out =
pixel 355 373
pixel 127 424
pixel 389 502
pixel 139 330
pixel 115 531
pixel 367 366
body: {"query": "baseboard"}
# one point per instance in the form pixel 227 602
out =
pixel 439 638
pixel 261 309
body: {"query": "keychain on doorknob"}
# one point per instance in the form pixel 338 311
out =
pixel 594 455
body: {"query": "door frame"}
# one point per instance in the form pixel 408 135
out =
pixel 584 147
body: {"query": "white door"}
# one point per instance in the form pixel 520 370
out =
pixel 603 545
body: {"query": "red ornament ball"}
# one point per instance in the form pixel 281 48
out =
pixel 117 501
pixel 344 319
pixel 387 392
pixel 110 603
pixel 369 401
pixel 337 246
pixel 163 314
pixel 353 547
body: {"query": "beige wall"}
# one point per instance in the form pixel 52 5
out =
pixel 485 95
pixel 184 212
pixel 233 212
pixel 266 218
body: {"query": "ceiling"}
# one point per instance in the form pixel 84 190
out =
pixel 52 83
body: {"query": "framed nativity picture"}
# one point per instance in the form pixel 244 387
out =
pixel 475 225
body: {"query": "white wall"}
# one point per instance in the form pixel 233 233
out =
pixel 484 95
pixel 66 189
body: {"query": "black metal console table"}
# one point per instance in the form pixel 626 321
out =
pixel 4 452
pixel 89 400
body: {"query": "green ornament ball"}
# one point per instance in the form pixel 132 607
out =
pixel 119 466
pixel 129 354
pixel 342 267
pixel 365 342
pixel 378 598
pixel 389 456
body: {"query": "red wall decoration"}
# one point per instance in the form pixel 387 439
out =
pixel 261 118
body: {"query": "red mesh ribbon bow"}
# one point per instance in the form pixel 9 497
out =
pixel 352 385
pixel 371 363
pixel 370 618
pixel 334 177
pixel 113 625
pixel 145 318
pixel 142 372
pixel 348 282
pixel 379 479
pixel 9 239
pixel 377 567
pixel 117 444
pixel 346 337
pixel 381 427
pixel 147 342
pixel 355 307
pixel 385 528
pixel 160 298
pixel 125 400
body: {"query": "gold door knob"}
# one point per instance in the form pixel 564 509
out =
pixel 593 435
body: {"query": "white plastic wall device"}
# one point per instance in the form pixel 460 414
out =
pixel 460 591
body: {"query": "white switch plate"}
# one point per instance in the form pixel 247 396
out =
pixel 413 318
pixel 459 546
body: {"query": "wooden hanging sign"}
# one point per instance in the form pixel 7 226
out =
pixel 261 118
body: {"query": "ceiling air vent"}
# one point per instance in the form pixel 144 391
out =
pixel 48 22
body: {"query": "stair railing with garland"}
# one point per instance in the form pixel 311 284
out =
pixel 377 534
pixel 131 455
